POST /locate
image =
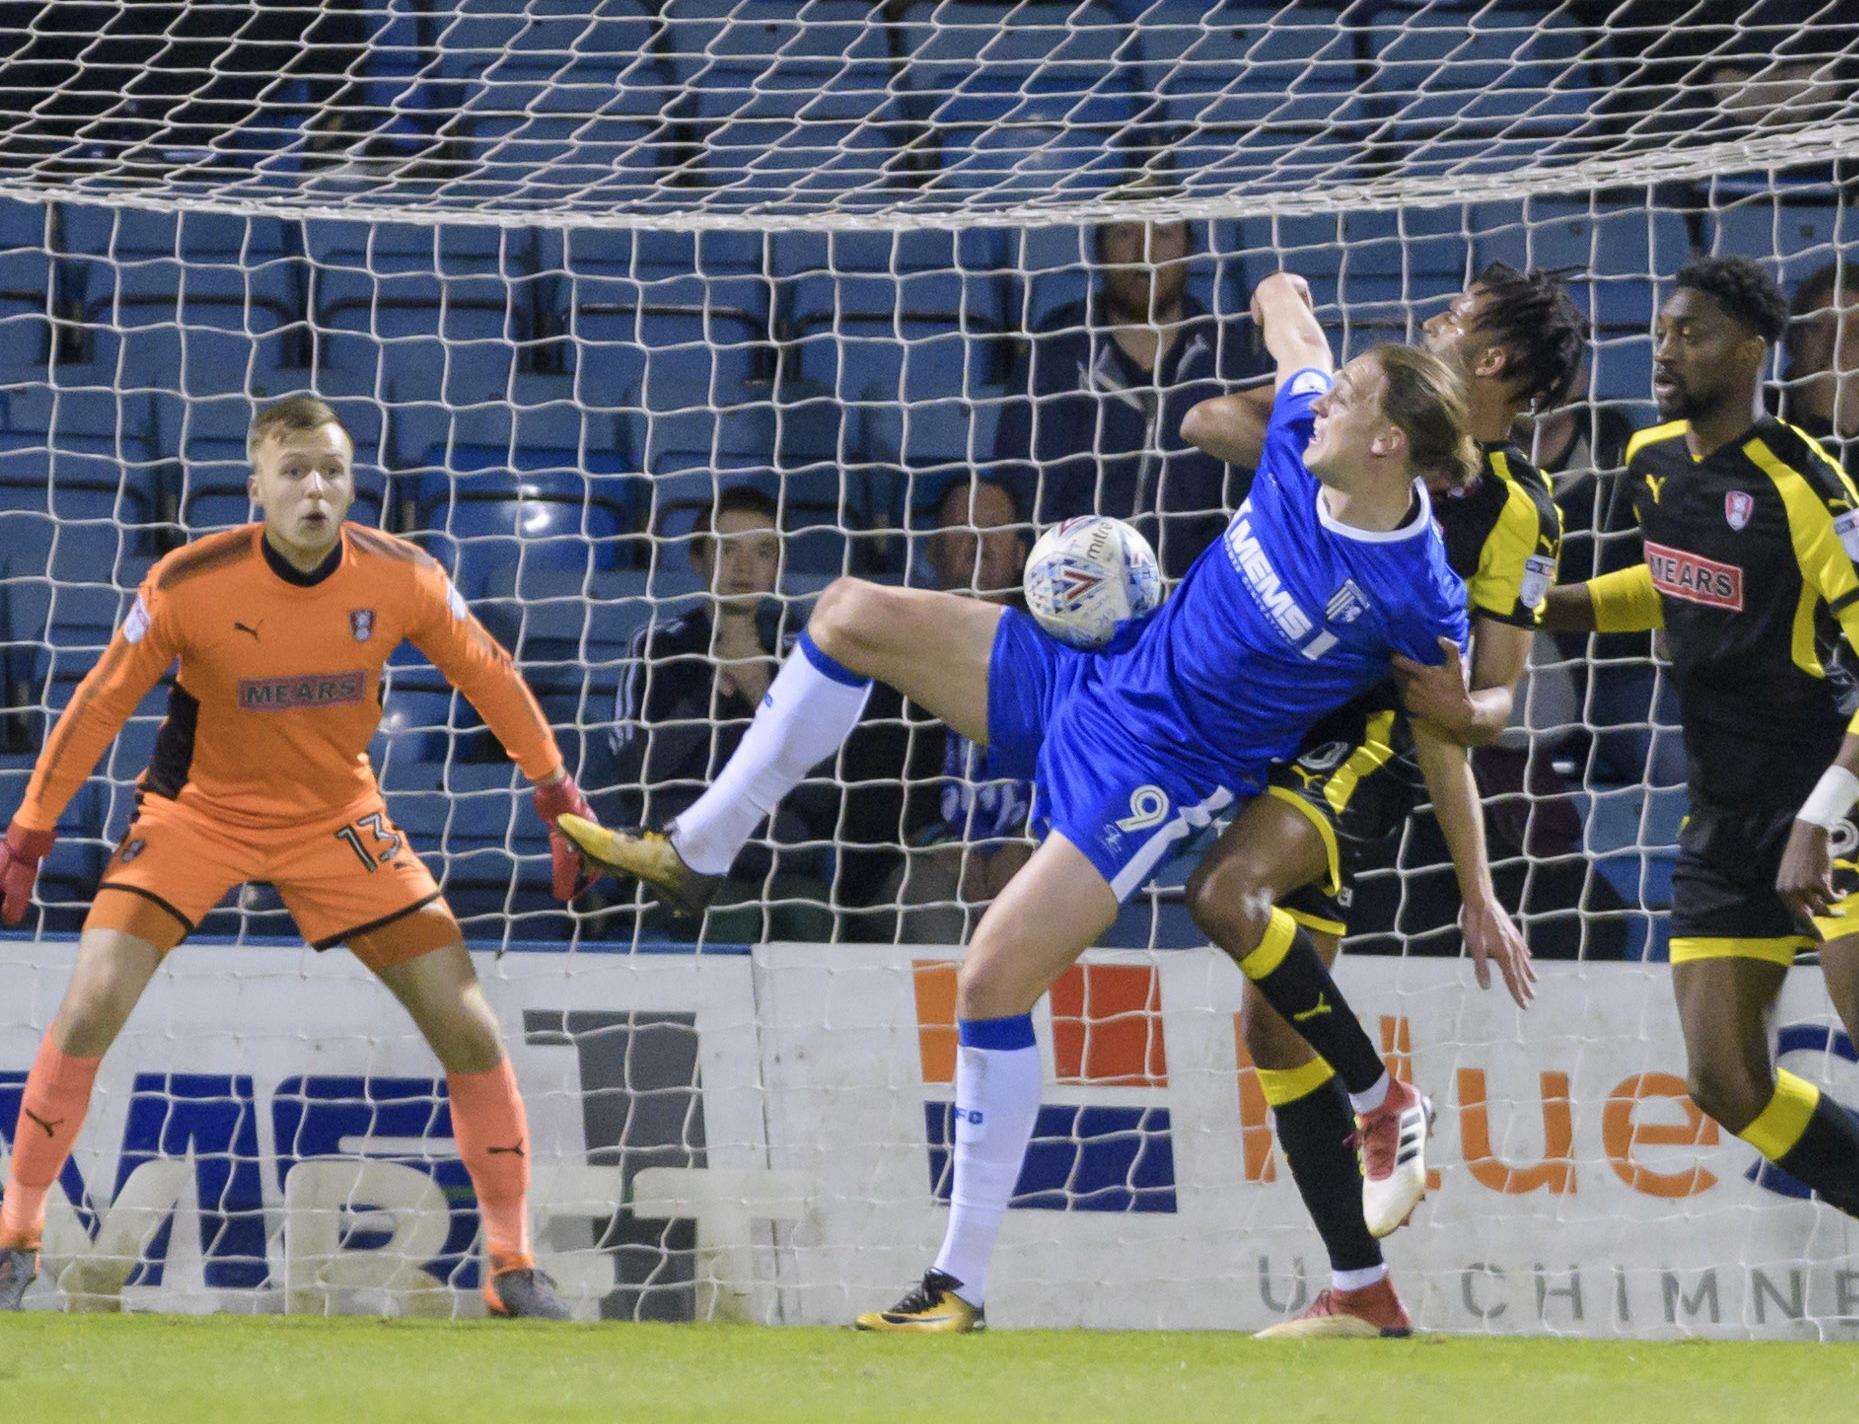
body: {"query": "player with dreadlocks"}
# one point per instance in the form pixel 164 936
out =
pixel 1289 859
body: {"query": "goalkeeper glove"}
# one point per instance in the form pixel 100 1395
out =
pixel 568 875
pixel 20 854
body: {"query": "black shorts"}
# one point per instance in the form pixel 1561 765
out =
pixel 1357 784
pixel 1724 903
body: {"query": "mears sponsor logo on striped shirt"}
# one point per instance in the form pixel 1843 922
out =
pixel 1695 578
pixel 283 694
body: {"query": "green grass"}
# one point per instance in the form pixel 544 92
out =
pixel 219 1370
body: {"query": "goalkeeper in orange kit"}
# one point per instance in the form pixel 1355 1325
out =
pixel 261 773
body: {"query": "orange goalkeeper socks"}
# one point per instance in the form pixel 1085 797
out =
pixel 492 1133
pixel 51 1111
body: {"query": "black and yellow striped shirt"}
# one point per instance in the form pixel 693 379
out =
pixel 1503 535
pixel 1750 569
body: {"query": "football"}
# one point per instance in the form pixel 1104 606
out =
pixel 1087 577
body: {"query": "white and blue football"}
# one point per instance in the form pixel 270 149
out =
pixel 1089 576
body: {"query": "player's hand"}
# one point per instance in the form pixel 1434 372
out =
pixel 568 875
pixel 1437 692
pixel 1491 936
pixel 1275 285
pixel 1805 881
pixel 20 854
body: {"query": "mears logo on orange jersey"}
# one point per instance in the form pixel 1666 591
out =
pixel 283 694
pixel 1694 578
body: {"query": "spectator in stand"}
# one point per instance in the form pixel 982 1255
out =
pixel 1108 381
pixel 693 683
pixel 1822 392
pixel 977 839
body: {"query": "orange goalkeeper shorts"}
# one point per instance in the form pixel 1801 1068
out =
pixel 351 879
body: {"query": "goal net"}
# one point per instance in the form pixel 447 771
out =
pixel 601 290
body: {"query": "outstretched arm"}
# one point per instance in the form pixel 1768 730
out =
pixel 137 656
pixel 449 634
pixel 1231 427
pixel 1287 319
pixel 1489 932
pixel 1624 601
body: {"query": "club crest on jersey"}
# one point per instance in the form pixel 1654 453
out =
pixel 1347 604
pixel 361 623
pixel 1738 505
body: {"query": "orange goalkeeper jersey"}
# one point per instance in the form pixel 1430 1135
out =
pixel 279 686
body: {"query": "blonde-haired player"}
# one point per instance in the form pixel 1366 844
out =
pixel 261 773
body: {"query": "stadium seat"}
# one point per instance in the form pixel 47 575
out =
pixel 1614 252
pixel 682 318
pixel 1022 103
pixel 29 290
pixel 564 103
pixel 1259 94
pixel 915 315
pixel 784 100
pixel 399 303
pixel 78 489
pixel 1794 235
pixel 1480 90
pixel 200 303
pixel 517 481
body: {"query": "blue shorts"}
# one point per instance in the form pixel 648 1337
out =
pixel 1127 809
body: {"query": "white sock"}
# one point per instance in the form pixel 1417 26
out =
pixel 810 709
pixel 1373 1098
pixel 997 1083
pixel 1358 1280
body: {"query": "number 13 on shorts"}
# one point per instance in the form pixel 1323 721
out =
pixel 373 840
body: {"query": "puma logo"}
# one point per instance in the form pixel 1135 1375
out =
pixel 514 1151
pixel 245 629
pixel 1653 482
pixel 1322 1007
pixel 48 1126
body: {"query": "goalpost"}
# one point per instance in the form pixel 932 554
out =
pixel 569 270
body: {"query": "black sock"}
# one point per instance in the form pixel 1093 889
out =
pixel 1826 1156
pixel 1289 972
pixel 1314 1131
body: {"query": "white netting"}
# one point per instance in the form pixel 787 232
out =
pixel 750 113
pixel 569 275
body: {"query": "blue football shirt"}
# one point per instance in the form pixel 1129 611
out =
pixel 1286 617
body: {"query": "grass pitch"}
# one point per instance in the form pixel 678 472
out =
pixel 219 1370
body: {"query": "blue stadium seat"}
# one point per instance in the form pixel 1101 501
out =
pixel 785 100
pixel 683 318
pixel 1371 273
pixel 1022 103
pixel 523 487
pixel 28 290
pixel 1266 94
pixel 1481 90
pixel 566 101
pixel 916 315
pixel 78 487
pixel 399 303
pixel 1615 250
pixel 201 303
pixel 1792 234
